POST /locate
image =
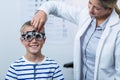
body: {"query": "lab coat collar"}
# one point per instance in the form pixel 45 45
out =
pixel 114 19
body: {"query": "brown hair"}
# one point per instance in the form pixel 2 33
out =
pixel 26 24
pixel 110 4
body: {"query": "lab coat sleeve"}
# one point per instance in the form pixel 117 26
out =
pixel 61 10
pixel 117 58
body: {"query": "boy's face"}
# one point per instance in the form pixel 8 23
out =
pixel 33 45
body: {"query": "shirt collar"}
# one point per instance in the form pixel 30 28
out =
pixel 102 25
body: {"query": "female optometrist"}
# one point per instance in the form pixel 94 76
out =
pixel 97 41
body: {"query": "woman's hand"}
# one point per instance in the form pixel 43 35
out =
pixel 39 20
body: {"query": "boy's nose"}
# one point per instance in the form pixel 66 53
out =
pixel 34 39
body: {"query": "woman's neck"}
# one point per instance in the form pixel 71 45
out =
pixel 100 20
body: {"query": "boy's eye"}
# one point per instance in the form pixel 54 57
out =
pixel 28 37
pixel 39 36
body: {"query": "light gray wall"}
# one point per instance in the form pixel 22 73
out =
pixel 10 47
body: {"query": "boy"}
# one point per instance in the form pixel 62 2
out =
pixel 33 65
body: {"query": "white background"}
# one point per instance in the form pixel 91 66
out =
pixel 11 47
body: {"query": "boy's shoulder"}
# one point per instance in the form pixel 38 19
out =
pixel 18 61
pixel 50 61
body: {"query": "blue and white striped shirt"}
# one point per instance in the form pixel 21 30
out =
pixel 22 69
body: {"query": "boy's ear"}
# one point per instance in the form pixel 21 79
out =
pixel 44 39
pixel 22 41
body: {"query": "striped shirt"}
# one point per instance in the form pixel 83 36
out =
pixel 22 69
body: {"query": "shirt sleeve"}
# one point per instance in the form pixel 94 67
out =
pixel 60 9
pixel 11 74
pixel 58 74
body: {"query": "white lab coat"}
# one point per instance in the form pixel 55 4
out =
pixel 107 63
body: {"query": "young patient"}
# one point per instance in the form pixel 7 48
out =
pixel 33 65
